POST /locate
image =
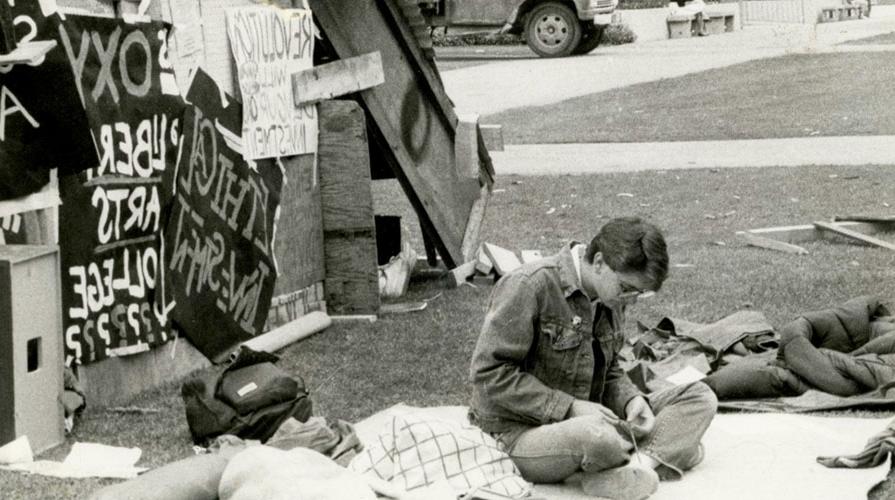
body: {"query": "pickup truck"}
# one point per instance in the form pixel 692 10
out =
pixel 552 28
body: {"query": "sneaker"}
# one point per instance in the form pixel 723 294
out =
pixel 621 483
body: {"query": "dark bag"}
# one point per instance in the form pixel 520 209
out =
pixel 248 397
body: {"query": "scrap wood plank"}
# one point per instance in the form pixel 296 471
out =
pixel 838 229
pixel 504 261
pixel 461 273
pixel 771 244
pixel 808 232
pixel 878 219
pixel 337 78
pixel 531 256
pixel 483 264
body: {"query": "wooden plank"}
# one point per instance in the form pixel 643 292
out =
pixel 838 229
pixel 771 244
pixel 352 281
pixel 28 52
pixel 344 164
pixel 880 219
pixel 483 264
pixel 461 273
pixel 299 238
pixel 504 260
pixel 338 78
pixel 472 237
pixel 807 232
pixel 531 256
pixel 352 276
pixel 466 145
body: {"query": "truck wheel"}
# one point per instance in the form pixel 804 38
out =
pixel 589 40
pixel 552 30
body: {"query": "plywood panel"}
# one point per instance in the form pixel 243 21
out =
pixel 299 240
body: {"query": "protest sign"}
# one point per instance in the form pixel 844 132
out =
pixel 218 260
pixel 269 44
pixel 42 122
pixel 112 213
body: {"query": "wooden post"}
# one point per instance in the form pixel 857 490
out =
pixel 349 234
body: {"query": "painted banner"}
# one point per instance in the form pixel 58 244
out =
pixel 269 44
pixel 42 123
pixel 219 267
pixel 112 214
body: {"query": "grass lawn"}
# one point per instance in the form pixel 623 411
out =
pixel 790 96
pixel 884 39
pixel 354 370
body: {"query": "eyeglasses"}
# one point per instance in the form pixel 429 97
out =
pixel 631 292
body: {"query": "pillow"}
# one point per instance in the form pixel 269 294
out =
pixel 415 452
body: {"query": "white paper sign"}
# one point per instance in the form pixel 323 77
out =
pixel 269 44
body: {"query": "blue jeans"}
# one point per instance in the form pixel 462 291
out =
pixel 551 453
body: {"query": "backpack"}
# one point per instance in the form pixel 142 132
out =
pixel 248 397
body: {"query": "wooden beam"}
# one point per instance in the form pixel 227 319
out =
pixel 483 264
pixel 461 273
pixel 884 219
pixel 838 229
pixel 504 261
pixel 531 256
pixel 807 232
pixel 771 244
pixel 28 52
pixel 338 78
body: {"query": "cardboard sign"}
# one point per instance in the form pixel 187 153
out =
pixel 219 267
pixel 269 44
pixel 42 121
pixel 112 214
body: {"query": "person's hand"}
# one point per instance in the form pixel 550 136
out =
pixel 640 416
pixel 581 408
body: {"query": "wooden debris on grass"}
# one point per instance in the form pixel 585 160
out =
pixel 531 256
pixel 877 219
pixel 483 263
pixel 503 260
pixel 848 233
pixel 490 263
pixel 856 227
pixel 461 273
pixel 771 244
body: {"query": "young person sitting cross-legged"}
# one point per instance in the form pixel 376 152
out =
pixel 547 384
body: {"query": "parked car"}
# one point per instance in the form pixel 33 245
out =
pixel 552 28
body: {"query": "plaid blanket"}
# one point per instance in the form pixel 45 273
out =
pixel 415 452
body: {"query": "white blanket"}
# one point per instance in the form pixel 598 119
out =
pixel 748 456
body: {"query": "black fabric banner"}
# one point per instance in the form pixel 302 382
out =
pixel 42 120
pixel 218 257
pixel 113 214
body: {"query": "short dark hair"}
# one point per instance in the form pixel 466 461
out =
pixel 631 245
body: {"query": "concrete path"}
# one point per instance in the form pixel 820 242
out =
pixel 490 88
pixel 562 159
pixel 497 86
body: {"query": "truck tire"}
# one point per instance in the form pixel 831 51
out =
pixel 589 40
pixel 552 30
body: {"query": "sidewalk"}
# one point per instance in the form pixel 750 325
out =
pixel 490 88
pixel 562 159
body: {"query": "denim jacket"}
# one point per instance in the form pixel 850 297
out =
pixel 536 351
